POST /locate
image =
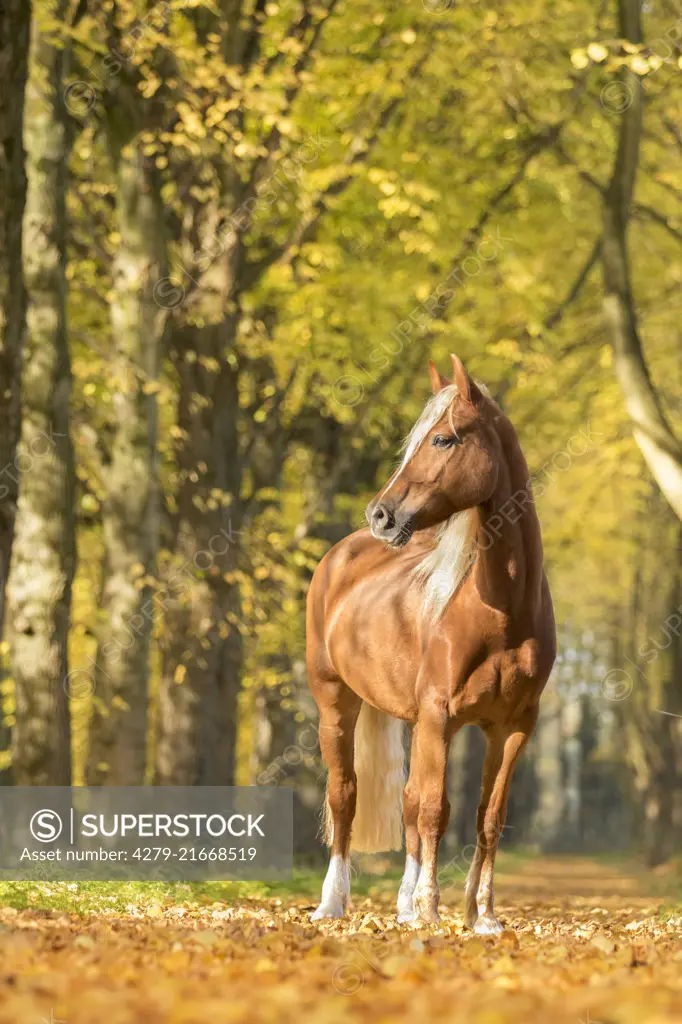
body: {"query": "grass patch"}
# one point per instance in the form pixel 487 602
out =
pixel 121 897
pixel 370 877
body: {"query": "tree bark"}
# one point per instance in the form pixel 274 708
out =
pixel 662 834
pixel 660 447
pixel 117 753
pixel 285 751
pixel 201 642
pixel 43 560
pixel 648 714
pixel 547 819
pixel 15 19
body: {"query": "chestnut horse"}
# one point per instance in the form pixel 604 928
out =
pixel 439 615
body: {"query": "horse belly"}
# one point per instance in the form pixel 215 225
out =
pixel 372 644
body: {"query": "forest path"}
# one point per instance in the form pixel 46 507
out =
pixel 577 878
pixel 585 942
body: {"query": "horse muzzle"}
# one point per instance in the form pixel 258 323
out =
pixel 387 527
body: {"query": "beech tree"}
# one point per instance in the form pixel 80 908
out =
pixel 43 559
pixel 130 507
pixel 15 19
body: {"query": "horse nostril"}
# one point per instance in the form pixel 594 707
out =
pixel 383 519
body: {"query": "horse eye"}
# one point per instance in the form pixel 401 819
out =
pixel 441 441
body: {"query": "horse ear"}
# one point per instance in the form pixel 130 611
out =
pixel 467 387
pixel 438 381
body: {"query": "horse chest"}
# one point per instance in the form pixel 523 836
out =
pixel 373 643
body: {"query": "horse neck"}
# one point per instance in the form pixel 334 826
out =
pixel 509 566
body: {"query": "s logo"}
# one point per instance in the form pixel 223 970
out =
pixel 46 826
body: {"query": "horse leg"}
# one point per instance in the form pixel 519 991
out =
pixel 406 911
pixel 434 808
pixel 337 732
pixel 491 766
pixel 501 757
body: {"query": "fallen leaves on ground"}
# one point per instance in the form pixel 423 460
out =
pixel 565 956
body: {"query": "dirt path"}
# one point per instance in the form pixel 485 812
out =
pixel 585 943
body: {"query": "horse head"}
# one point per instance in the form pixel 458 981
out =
pixel 450 463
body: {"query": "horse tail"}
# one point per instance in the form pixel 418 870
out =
pixel 380 771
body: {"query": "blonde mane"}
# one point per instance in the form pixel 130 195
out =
pixel 442 570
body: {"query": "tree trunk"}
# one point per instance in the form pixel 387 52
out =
pixel 660 447
pixel 571 726
pixel 649 712
pixel 15 19
pixel 285 749
pixel 661 836
pixel 546 828
pixel 130 512
pixel 675 703
pixel 201 642
pixel 43 561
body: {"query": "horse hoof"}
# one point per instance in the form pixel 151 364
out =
pixel 407 916
pixel 332 913
pixel 426 912
pixel 430 917
pixel 470 912
pixel 488 925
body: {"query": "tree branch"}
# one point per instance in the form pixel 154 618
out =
pixel 290 94
pixel 296 30
pixel 79 13
pixel 544 139
pixel 658 218
pixel 555 318
pixel 674 131
pixel 251 47
pixel 583 174
pixel 660 447
pixel 358 153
